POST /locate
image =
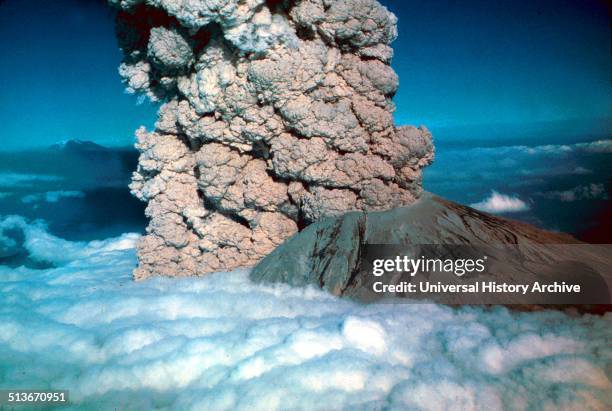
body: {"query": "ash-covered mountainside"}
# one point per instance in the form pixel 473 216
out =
pixel 275 114
pixel 330 255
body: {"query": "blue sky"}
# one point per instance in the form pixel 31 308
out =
pixel 461 64
pixel 58 76
pixel 481 62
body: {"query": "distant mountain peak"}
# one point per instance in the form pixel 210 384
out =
pixel 77 145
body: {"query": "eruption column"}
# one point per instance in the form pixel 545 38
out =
pixel 274 114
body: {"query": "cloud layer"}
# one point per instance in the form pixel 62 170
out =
pixel 583 192
pixel 221 343
pixel 549 179
pixel 515 166
pixel 13 180
pixel 52 196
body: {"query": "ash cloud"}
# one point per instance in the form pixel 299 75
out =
pixel 229 344
pixel 274 115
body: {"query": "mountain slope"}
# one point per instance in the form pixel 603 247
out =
pixel 329 254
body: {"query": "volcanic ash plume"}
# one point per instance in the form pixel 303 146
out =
pixel 275 114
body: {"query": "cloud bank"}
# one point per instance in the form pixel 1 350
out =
pixel 582 192
pixel 500 203
pixel 14 180
pixel 516 165
pixel 41 246
pixel 222 343
pixel 598 146
pixel 52 196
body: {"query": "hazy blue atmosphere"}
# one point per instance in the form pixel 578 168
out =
pixel 509 62
pixel 56 85
pixel 535 70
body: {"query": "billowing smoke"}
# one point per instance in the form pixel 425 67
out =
pixel 228 344
pixel 275 114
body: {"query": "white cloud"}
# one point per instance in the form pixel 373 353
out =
pixel 223 343
pixel 599 146
pixel 52 196
pixel 591 191
pixel 500 203
pixel 43 246
pixel 581 171
pixel 24 180
pixel 460 170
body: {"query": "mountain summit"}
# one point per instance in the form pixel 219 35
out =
pixel 77 146
pixel 329 253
